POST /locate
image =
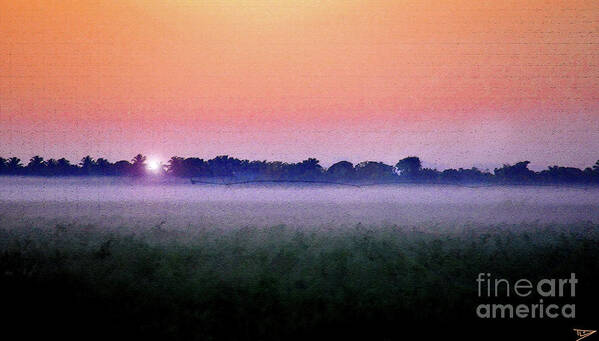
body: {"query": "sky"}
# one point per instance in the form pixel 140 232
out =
pixel 458 83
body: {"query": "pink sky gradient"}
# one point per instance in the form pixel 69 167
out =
pixel 458 83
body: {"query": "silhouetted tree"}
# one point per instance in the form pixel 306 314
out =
pixel 277 170
pixel 516 173
pixel 138 165
pixel 255 169
pixel 14 166
pixel 66 167
pixel 3 165
pixel 139 159
pixel 429 175
pixel 309 169
pixel 190 167
pixel 87 165
pixel 342 170
pixel 103 167
pixel 196 167
pixel 409 167
pixel 122 167
pixel 374 171
pixel 176 167
pixel 462 175
pixel 223 166
pixel 556 174
pixel 52 167
pixel 36 165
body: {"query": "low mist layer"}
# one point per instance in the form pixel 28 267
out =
pixel 115 202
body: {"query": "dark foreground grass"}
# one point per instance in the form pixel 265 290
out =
pixel 279 283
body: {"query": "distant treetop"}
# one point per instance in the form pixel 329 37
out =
pixel 224 167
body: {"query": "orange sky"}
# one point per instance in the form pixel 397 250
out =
pixel 456 82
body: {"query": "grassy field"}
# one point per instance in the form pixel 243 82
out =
pixel 275 283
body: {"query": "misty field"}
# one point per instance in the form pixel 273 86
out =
pixel 115 259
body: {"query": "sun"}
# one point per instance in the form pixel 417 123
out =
pixel 153 166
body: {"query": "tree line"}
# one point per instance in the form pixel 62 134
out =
pixel 222 167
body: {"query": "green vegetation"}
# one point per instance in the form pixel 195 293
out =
pixel 282 283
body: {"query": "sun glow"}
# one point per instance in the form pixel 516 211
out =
pixel 153 166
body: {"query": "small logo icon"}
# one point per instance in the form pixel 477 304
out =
pixel 582 333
